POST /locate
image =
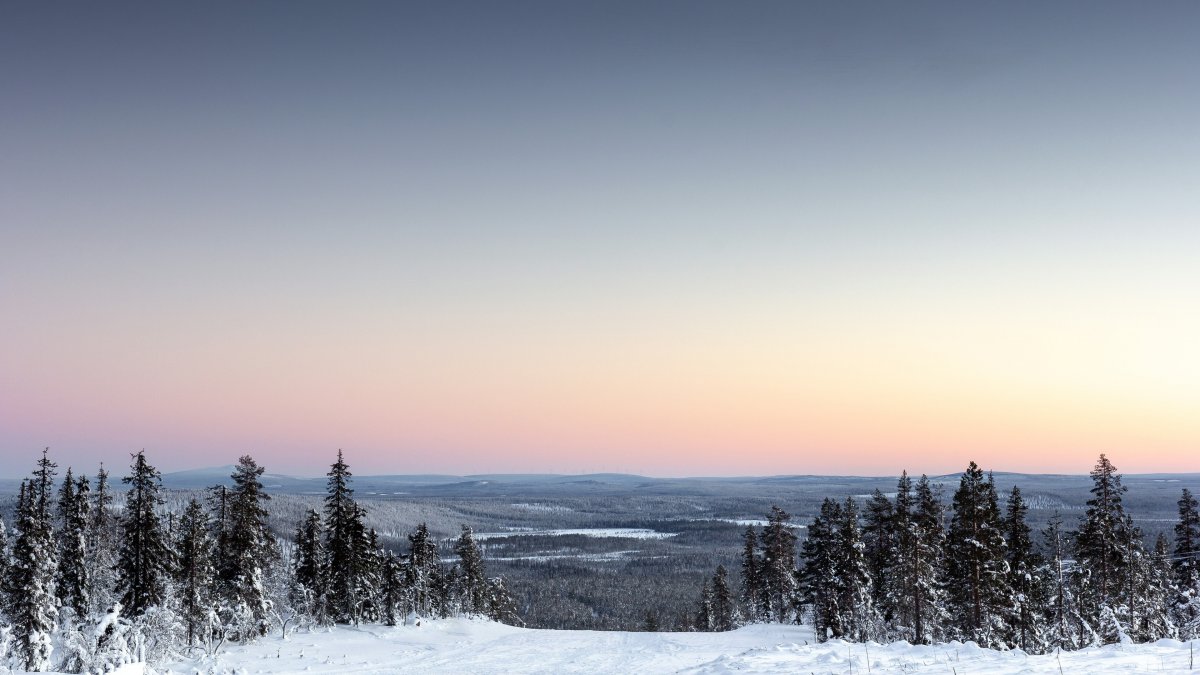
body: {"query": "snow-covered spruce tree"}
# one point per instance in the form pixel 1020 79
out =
pixel 1186 565
pixel 1154 592
pixel 310 567
pixel 472 579
pixel 422 575
pixel 369 558
pixel 977 573
pixel 241 576
pixel 342 527
pixel 102 547
pixel 724 609
pixel 74 510
pixel 195 575
pixel 392 592
pixel 1103 547
pixel 1066 626
pixel 879 544
pixel 820 575
pixel 915 599
pixel 144 561
pixel 704 617
pixel 33 608
pixel 501 605
pixel 859 617
pixel 753 589
pixel 5 575
pixel 1028 626
pixel 779 565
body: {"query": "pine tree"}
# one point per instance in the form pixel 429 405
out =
pixel 1186 566
pixel 242 574
pixel 779 565
pixel 1102 551
pixel 1187 542
pixel 310 566
pixel 1067 629
pixel 977 573
pixel 901 600
pixel 753 589
pixel 879 543
pixel 101 559
pixel 473 577
pixel 342 527
pixel 422 575
pixel 392 596
pixel 33 609
pixel 859 616
pixel 1027 625
pixel 5 572
pixel 924 570
pixel 724 610
pixel 144 561
pixel 1155 591
pixel 74 512
pixel 820 577
pixel 195 572
pixel 368 559
pixel 501 606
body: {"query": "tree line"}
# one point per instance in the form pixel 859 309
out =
pixel 911 568
pixel 86 585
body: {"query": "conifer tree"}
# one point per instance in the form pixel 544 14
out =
pixel 779 565
pixel 33 609
pixel 1028 630
pixel 859 616
pixel 820 577
pixel 724 610
pixel 753 590
pixel 101 559
pixel 342 529
pixel 501 605
pixel 1155 619
pixel 310 565
pixel 879 543
pixel 1187 543
pixel 1102 551
pixel 473 576
pixel 422 575
pixel 977 573
pixel 1067 629
pixel 925 569
pixel 900 579
pixel 195 572
pixel 392 596
pixel 144 560
pixel 74 511
pixel 5 571
pixel 251 550
pixel 369 566
pixel 1186 565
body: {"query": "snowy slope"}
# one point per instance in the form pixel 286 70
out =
pixel 465 646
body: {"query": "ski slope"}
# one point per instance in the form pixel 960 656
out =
pixel 467 646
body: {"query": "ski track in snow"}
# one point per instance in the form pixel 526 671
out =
pixel 469 646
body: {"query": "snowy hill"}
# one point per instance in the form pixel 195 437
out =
pixel 466 646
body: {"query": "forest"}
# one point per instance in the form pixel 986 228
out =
pixel 95 575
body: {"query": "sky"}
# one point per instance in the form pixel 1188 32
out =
pixel 668 238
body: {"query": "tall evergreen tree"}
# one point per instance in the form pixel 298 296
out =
pixel 1027 625
pixel 753 589
pixel 704 613
pixel 310 565
pixel 251 550
pixel 977 572
pixel 821 577
pixel 1187 543
pixel 779 565
pixel 342 528
pixel 423 574
pixel 473 577
pixel 879 543
pixel 33 609
pixel 392 592
pixel 859 616
pixel 195 572
pixel 724 609
pixel 74 511
pixel 144 560
pixel 101 559
pixel 1103 547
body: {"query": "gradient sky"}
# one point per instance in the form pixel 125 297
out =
pixel 680 238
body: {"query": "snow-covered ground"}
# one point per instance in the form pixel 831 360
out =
pixel 466 646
